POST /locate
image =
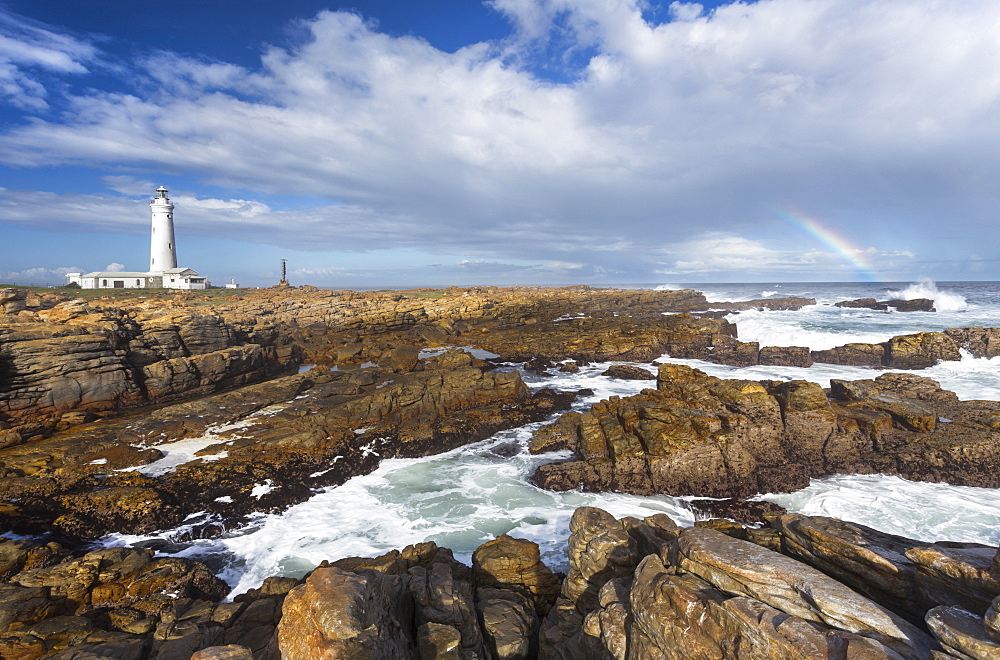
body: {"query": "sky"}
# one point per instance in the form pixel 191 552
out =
pixel 392 143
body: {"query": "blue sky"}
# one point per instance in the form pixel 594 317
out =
pixel 505 142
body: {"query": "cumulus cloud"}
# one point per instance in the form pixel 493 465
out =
pixel 37 275
pixel 668 130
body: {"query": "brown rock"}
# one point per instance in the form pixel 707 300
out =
pixel 340 614
pixel 443 594
pixel 861 303
pixel 731 351
pixel 979 341
pixel 991 619
pixel 516 565
pixel 228 652
pixel 21 606
pixel 853 354
pixel 509 622
pixel 600 549
pixel 745 569
pixel 628 372
pixel 920 350
pixel 786 356
pixel 955 575
pixel 439 641
pixel 677 617
pixel 963 632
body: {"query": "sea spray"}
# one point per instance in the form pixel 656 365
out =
pixel 944 301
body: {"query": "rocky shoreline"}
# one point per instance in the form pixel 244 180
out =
pixel 797 587
pixel 94 395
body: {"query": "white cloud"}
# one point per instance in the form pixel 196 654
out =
pixel 27 49
pixel 37 275
pixel 671 130
pixel 114 267
pixel 719 253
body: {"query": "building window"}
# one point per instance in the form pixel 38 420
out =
pixel 104 282
pixel 138 283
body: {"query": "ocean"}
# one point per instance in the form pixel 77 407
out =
pixel 463 498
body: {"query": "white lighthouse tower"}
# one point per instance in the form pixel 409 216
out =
pixel 162 248
pixel 163 270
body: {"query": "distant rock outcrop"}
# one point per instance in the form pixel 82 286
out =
pixel 700 435
pixel 913 305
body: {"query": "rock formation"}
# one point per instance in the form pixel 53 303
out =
pixel 700 435
pixel 914 305
pixel 816 588
pixel 268 445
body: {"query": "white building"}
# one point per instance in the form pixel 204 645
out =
pixel 163 270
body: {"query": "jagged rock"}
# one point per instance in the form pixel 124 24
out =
pixel 345 614
pixel 979 341
pixel 704 436
pixel 510 625
pixel 905 575
pixel 439 641
pixel 600 549
pixel 912 305
pixel 921 350
pixel 560 434
pixel 516 564
pixel 13 555
pixel 861 303
pixel 628 372
pixel 961 631
pixel 442 593
pixel 309 439
pixel 21 606
pixel 740 510
pixel 601 339
pixel 871 562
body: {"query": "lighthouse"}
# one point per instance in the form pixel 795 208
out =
pixel 162 248
pixel 163 270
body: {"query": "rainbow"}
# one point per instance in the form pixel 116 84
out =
pixel 850 254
